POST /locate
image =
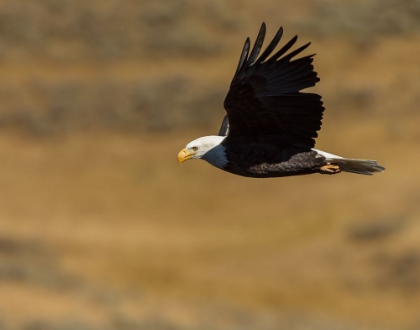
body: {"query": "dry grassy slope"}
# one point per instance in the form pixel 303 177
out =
pixel 103 228
pixel 74 65
pixel 118 214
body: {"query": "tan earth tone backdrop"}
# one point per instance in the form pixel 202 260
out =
pixel 100 228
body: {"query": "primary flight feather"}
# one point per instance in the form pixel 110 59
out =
pixel 271 126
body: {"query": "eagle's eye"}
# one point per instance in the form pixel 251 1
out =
pixel 194 148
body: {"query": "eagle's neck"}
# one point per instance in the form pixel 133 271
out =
pixel 216 156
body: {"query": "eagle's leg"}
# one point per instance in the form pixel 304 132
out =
pixel 329 169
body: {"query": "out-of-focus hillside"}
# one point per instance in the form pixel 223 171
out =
pixel 101 229
pixel 147 65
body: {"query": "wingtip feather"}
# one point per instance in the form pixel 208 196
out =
pixel 244 56
pixel 257 45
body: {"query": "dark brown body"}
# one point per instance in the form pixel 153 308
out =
pixel 268 158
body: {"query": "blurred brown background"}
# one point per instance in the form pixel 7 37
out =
pixel 100 228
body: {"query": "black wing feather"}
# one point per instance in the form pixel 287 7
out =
pixel 265 97
pixel 224 129
pixel 271 46
pixel 283 50
pixel 244 55
pixel 257 46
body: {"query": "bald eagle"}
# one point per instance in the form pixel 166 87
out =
pixel 270 126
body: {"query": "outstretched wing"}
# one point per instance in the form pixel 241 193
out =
pixel 265 98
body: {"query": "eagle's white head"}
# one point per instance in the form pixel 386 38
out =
pixel 208 148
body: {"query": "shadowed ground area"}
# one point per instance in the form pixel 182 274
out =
pixel 100 228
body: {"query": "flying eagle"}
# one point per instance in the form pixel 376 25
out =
pixel 270 126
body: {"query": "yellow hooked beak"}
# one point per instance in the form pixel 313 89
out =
pixel 184 155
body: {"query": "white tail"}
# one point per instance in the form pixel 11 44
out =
pixel 358 166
